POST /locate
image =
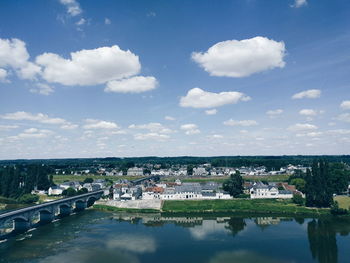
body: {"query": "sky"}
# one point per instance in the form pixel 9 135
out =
pixel 171 78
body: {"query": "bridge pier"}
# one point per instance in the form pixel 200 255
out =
pixel 80 205
pixel 45 217
pixel 65 210
pixel 20 225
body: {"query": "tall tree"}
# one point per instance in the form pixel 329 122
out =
pixel 234 185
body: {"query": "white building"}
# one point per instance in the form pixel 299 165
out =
pixel 135 171
pixel 262 191
pixel 55 190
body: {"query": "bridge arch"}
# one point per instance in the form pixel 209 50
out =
pixel 90 201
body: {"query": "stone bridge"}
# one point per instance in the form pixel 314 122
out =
pixel 22 219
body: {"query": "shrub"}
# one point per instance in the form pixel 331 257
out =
pixel 298 199
pixel 28 199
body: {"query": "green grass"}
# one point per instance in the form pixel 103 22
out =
pixel 117 209
pixel 263 206
pixel 221 179
pixel 343 201
pixel 58 179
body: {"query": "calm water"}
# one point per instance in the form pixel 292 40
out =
pixel 94 236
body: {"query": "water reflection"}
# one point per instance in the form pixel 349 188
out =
pixel 94 236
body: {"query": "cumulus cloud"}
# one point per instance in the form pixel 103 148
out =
pixel 3 75
pixel 151 136
pixel 89 67
pixel 190 129
pixel 14 55
pixel 107 21
pixel 211 112
pixel 40 117
pixel 169 118
pixel 299 3
pixel 42 88
pixel 152 126
pixel 215 136
pixel 244 123
pixel 132 85
pixel 73 7
pixel 198 98
pixel 308 112
pixel 32 133
pixel 345 117
pixel 241 58
pixel 99 124
pixel 308 94
pixel 8 127
pixel 81 22
pixel 302 127
pixel 345 105
pixel 274 113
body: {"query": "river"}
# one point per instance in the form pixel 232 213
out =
pixel 96 236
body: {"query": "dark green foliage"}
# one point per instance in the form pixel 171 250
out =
pixel 234 185
pixel 88 180
pixel 69 192
pixel 82 191
pixel 299 184
pixel 189 169
pixel 340 178
pixel 318 188
pixel 298 199
pixel 28 199
pixel 17 180
pixel 335 210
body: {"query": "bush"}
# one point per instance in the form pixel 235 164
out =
pixel 88 180
pixel 335 210
pixel 82 191
pixel 298 199
pixel 69 192
pixel 28 199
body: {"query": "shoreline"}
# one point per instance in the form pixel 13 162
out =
pixel 251 207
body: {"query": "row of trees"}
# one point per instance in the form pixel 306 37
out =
pixel 18 180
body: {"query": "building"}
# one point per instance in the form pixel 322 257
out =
pixel 55 190
pixel 263 191
pixel 135 171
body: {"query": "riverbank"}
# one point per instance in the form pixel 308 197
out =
pixel 262 206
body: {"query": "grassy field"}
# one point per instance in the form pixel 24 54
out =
pixel 246 206
pixel 64 178
pixel 343 201
pixel 221 179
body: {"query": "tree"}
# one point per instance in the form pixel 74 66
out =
pixel 299 184
pixel 88 180
pixel 82 191
pixel 69 192
pixel 318 187
pixel 298 199
pixel 234 185
pixel 28 199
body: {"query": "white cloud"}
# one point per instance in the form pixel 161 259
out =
pixel 42 88
pixel 241 58
pixel 132 85
pixel 151 136
pixel 198 98
pixel 211 112
pixel 244 123
pixel 81 22
pixel 89 67
pixel 339 131
pixel 344 117
pixel 69 126
pixel 40 117
pixel 14 54
pixel 309 94
pixel 299 3
pixel 190 129
pixel 73 7
pixel 302 127
pixel 169 118
pixel 345 105
pixel 3 75
pixel 154 127
pixel 308 112
pixel 99 124
pixel 309 134
pixel 107 21
pixel 215 136
pixel 32 133
pixel 151 14
pixel 274 113
pixel 8 127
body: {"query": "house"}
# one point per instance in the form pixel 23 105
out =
pixel 75 185
pixel 263 191
pixel 91 187
pixel 135 171
pixel 200 171
pixel 55 190
pixel 127 193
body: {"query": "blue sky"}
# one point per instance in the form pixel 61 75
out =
pixel 167 78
